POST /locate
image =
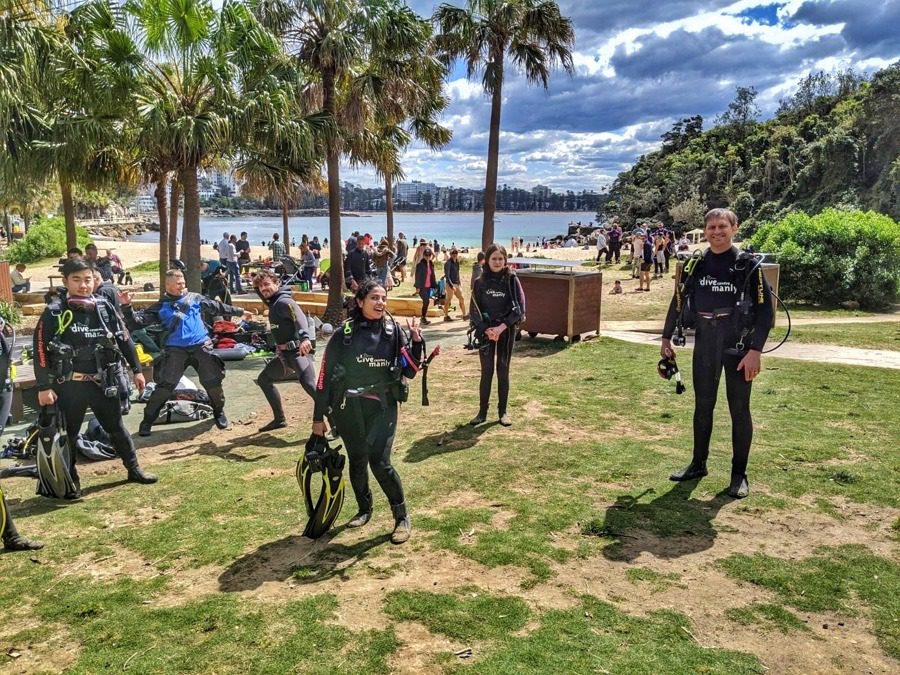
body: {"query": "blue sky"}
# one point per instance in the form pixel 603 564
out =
pixel 640 66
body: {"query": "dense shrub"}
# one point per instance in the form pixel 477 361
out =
pixel 44 239
pixel 10 313
pixel 836 256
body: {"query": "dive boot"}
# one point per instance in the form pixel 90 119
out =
pixel 221 420
pixel 478 419
pixel 739 487
pixel 690 472
pixel 402 526
pixel 273 425
pixel 145 429
pixel 137 475
pixel 505 420
pixel 19 543
pixel 360 519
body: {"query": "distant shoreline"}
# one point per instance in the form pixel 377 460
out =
pixel 275 213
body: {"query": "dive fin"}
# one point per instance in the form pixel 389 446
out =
pixel 54 457
pixel 2 514
pixel 330 464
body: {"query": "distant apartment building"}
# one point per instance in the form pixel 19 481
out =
pixel 542 195
pixel 414 194
pixel 224 182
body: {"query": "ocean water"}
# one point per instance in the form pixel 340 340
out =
pixel 462 229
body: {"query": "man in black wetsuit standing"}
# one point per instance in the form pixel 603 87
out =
pixel 728 300
pixel 294 344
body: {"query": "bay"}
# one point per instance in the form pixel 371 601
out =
pixel 462 229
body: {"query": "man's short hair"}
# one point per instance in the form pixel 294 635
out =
pixel 75 250
pixel 20 266
pixel 173 272
pixel 90 246
pixel 727 215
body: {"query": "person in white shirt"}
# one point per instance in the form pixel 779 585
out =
pixel 601 246
pixel 231 261
pixel 20 283
pixel 223 250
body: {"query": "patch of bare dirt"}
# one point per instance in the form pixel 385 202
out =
pixel 419 648
pixel 119 564
pixel 268 473
pixel 140 517
pixel 55 655
pixel 703 592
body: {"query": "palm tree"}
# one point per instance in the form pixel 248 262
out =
pixel 211 79
pixel 409 99
pixel 339 41
pixel 533 33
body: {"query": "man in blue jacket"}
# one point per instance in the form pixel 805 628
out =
pixel 186 343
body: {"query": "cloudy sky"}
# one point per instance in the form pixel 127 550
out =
pixel 640 66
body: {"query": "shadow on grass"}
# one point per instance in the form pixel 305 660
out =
pixel 462 437
pixel 296 556
pixel 227 450
pixel 538 346
pixel 670 526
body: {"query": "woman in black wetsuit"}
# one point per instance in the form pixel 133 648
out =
pixel 82 323
pixel 498 306
pixel 361 382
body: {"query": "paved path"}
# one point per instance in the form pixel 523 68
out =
pixel 851 356
pixel 656 326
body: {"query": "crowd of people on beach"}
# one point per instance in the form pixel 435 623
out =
pixel 368 361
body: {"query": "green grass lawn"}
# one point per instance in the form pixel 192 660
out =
pixel 557 545
pixel 880 335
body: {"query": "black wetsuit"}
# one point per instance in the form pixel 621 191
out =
pixel 362 360
pixel 359 267
pixel 496 299
pixel 289 324
pixel 84 330
pixel 712 291
pixel 187 343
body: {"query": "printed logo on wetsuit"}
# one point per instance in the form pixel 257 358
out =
pixel 87 331
pixel 715 286
pixel 494 293
pixel 372 362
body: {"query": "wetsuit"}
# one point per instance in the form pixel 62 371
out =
pixel 712 294
pixel 87 325
pixel 186 344
pixel 359 383
pixel 496 299
pixel 359 267
pixel 289 325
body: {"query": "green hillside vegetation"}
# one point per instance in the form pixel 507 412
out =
pixel 835 142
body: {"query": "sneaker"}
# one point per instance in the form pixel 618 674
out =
pixel 425 322
pixel 464 317
pixel 478 419
pixel 505 421
pixel 402 530
pixel 145 429
pixel 690 472
pixel 222 421
pixel 360 519
pixel 448 318
pixel 273 425
pixel 739 487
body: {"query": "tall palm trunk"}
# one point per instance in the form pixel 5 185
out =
pixel 163 214
pixel 190 228
pixel 65 188
pixel 493 161
pixel 389 205
pixel 334 310
pixel 285 227
pixel 173 217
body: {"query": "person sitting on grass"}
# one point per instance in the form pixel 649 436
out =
pixel 617 288
pixel 20 283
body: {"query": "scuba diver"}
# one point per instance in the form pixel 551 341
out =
pixel 498 306
pixel 361 382
pixel 724 294
pixel 186 343
pixel 294 344
pixel 12 540
pixel 80 344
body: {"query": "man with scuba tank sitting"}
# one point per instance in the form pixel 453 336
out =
pixel 186 342
pixel 724 295
pixel 80 347
pixel 294 345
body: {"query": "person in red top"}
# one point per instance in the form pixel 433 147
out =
pixel 425 282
